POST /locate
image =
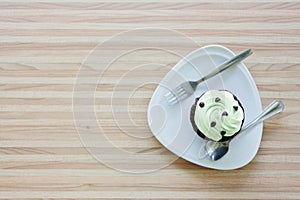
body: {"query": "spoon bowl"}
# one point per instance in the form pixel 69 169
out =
pixel 216 150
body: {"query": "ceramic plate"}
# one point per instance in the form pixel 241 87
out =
pixel 171 124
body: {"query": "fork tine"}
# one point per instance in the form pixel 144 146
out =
pixel 176 98
pixel 180 92
pixel 169 95
pixel 173 100
pixel 170 98
pixel 182 95
pixel 179 88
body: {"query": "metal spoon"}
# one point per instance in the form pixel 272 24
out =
pixel 216 150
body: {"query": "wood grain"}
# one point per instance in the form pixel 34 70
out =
pixel 43 44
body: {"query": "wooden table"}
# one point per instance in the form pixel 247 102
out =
pixel 43 45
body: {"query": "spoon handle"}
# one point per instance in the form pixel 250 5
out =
pixel 272 109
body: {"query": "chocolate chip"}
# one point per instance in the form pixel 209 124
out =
pixel 217 99
pixel 201 104
pixel 212 124
pixel 235 108
pixel 224 113
pixel 223 133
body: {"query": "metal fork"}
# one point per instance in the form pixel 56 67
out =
pixel 186 89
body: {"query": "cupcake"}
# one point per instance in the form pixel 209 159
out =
pixel 217 115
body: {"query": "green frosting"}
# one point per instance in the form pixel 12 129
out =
pixel 218 114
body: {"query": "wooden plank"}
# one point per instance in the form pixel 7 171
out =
pixel 44 43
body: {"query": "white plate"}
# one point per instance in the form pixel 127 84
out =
pixel 171 124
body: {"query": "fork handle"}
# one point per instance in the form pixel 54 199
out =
pixel 236 59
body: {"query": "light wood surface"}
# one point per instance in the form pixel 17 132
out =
pixel 43 43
